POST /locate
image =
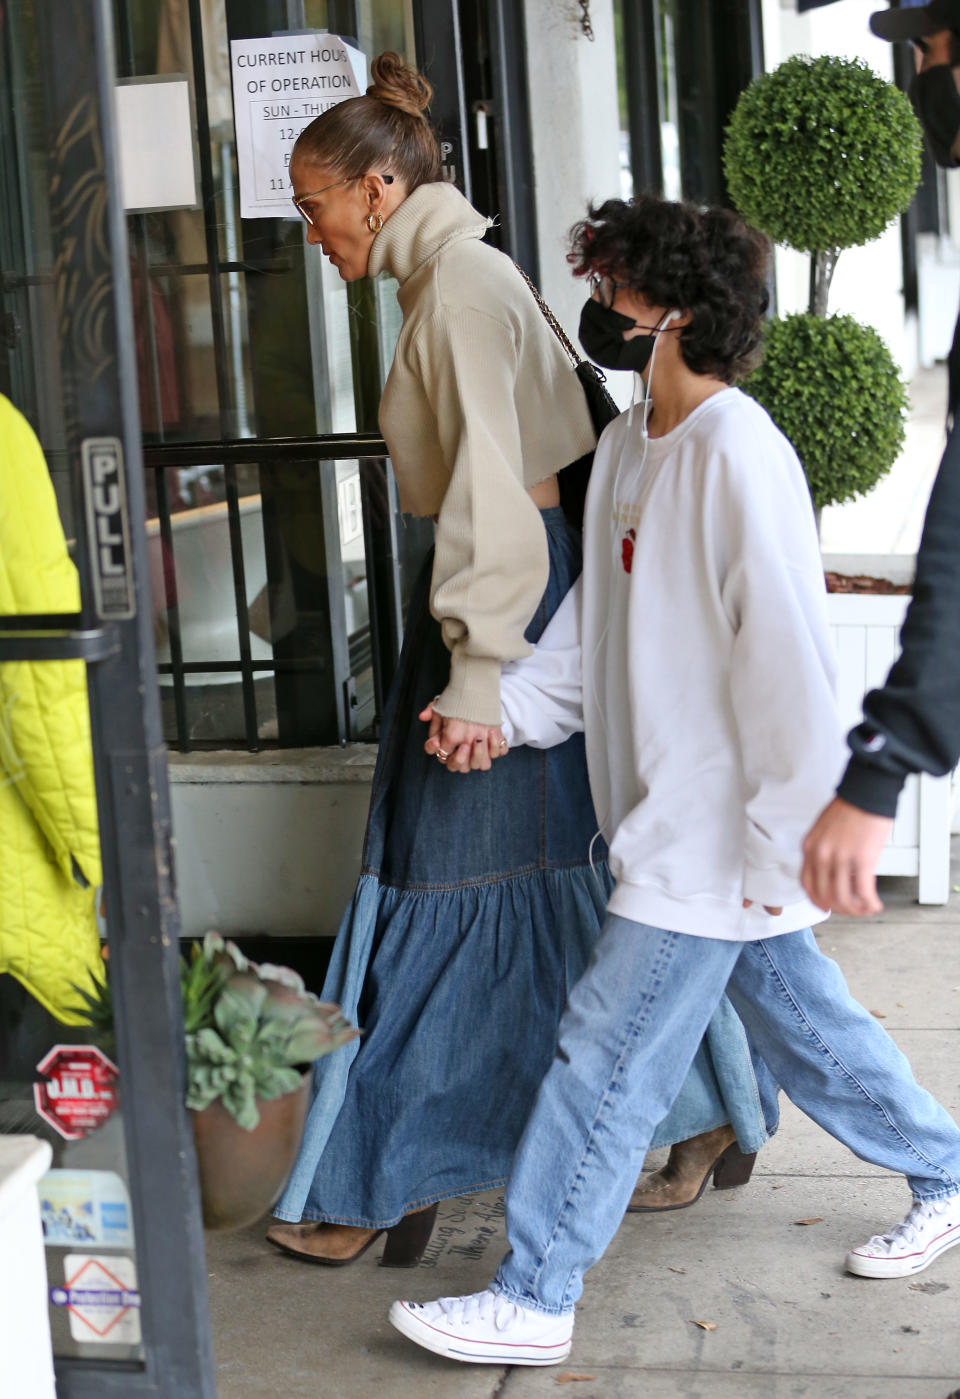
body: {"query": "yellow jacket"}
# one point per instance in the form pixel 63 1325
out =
pixel 49 841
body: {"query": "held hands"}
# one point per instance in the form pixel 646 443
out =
pixel 840 857
pixel 461 746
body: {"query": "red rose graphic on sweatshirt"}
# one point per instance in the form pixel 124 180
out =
pixel 626 550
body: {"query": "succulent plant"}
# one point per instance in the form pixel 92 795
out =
pixel 250 1029
pixel 96 1010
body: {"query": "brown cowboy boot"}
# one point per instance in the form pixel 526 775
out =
pixel 336 1245
pixel 684 1178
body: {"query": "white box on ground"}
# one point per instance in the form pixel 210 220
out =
pixel 24 1318
pixel 866 631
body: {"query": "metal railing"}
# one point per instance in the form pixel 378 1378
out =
pixel 317 657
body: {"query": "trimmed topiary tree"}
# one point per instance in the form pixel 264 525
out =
pixel 812 361
pixel 822 154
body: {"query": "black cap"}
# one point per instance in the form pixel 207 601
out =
pixel 916 21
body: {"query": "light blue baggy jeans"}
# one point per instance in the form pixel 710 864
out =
pixel 626 1040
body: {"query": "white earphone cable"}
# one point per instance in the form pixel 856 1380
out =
pixel 614 528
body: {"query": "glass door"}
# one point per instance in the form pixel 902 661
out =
pixel 86 859
pixel 190 449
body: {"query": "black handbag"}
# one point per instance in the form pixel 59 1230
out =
pixel 575 478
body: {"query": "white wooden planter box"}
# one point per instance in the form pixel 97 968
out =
pixel 26 1359
pixel 866 629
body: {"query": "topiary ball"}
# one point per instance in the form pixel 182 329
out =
pixel 833 388
pixel 822 153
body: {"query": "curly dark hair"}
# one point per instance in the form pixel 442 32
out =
pixel 704 261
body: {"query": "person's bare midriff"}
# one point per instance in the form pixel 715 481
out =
pixel 545 494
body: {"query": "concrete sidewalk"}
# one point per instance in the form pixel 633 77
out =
pixel 783 1318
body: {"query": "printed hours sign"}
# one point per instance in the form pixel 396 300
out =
pixel 279 86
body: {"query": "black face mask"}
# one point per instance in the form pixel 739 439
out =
pixel 937 103
pixel 601 335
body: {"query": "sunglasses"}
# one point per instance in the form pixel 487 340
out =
pixel 300 200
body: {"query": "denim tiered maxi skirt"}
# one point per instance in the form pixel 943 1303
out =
pixel 476 911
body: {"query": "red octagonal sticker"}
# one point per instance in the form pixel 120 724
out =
pixel 79 1091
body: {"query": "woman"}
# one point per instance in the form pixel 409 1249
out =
pixel 700 666
pixel 477 908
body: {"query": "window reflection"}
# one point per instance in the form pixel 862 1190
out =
pixel 663 113
pixel 667 93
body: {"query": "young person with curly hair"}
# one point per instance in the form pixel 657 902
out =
pixel 696 656
pixel 476 909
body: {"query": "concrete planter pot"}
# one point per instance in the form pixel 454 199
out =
pixel 866 631
pixel 242 1173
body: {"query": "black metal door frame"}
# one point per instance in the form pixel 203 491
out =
pixel 719 50
pixel 436 28
pixel 98 357
pixel 474 53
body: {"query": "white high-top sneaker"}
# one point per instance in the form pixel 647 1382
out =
pixel 485 1329
pixel 931 1227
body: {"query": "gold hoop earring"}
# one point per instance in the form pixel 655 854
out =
pixel 375 222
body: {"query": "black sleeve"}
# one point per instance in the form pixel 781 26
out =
pixel 913 723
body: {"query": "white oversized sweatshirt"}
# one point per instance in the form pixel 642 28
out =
pixel 695 654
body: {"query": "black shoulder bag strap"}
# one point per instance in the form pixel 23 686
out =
pixel 575 477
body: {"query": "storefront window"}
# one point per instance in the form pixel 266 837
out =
pixel 668 100
pixel 681 67
pixel 245 333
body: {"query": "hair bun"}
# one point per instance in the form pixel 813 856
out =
pixel 398 84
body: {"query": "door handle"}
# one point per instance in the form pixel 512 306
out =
pixel 55 636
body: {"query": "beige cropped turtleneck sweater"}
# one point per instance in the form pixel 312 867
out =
pixel 480 404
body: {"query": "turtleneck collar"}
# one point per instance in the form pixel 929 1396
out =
pixel 428 219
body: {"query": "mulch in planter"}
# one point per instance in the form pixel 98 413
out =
pixel 860 583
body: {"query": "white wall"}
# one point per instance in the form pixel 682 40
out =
pixel 573 104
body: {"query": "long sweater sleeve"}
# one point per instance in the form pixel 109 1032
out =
pixel 491 563
pixel 912 724
pixel 781 672
pixel 542 695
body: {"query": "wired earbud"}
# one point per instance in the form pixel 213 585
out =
pixel 615 530
pixel 648 397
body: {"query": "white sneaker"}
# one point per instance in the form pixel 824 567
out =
pixel 929 1229
pixel 485 1329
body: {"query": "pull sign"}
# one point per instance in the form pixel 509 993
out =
pixel 108 527
pixel 450 159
